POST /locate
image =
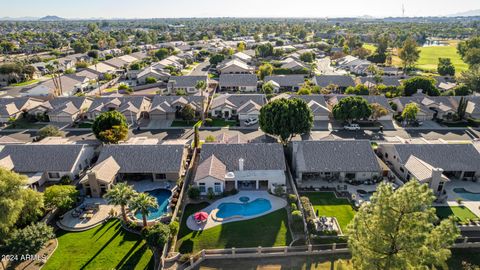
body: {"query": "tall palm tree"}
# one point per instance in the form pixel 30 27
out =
pixel 120 194
pixel 142 203
pixel 202 85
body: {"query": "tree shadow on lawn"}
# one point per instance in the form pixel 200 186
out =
pixel 130 260
pixel 101 249
pixel 106 230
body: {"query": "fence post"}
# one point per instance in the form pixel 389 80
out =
pixel 192 261
pixel 310 248
pixel 233 251
pixel 285 250
pixel 334 246
pixel 203 254
pixel 259 250
pixel 465 240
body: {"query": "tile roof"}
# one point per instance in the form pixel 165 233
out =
pixel 286 80
pixel 229 80
pixel 340 80
pixel 237 100
pixel 211 166
pixel 186 81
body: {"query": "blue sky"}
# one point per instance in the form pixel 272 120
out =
pixel 229 8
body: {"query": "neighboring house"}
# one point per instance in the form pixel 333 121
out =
pixel 133 107
pixel 13 108
pixel 243 57
pixel 170 107
pixel 316 103
pixel 117 63
pixel 293 65
pixel 70 85
pixel 341 82
pixel 252 166
pixel 286 82
pixel 185 83
pixel 353 64
pixel 384 80
pixel 102 68
pixel 235 66
pixel 62 109
pixel 238 82
pixel 47 162
pixel 150 72
pixel 155 162
pixel 432 163
pixel 383 101
pixel 473 107
pixel 440 107
pixel 226 138
pixel 243 106
pixel 339 160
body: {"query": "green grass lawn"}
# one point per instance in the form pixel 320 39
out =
pixel 462 212
pixel 222 123
pixel 23 123
pixel 183 123
pixel 328 205
pixel 370 46
pixel 107 246
pixel 266 231
pixel 25 83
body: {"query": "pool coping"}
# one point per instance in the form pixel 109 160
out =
pixel 213 221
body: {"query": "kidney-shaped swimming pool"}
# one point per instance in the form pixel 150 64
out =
pixel 255 207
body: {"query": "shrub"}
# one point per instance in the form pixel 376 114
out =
pixel 293 207
pixel 156 235
pixel 180 93
pixel 459 200
pixel 210 138
pixel 210 195
pixel 309 214
pixel 174 227
pixel 297 216
pixel 65 180
pixel 193 192
pixel 150 80
pixel 234 191
pixel 208 122
pixel 279 190
pixel 292 198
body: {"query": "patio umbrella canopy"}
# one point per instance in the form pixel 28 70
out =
pixel 200 216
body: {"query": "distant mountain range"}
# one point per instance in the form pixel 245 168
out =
pixel 470 13
pixel 50 18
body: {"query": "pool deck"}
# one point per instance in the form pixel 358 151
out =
pixel 452 196
pixel 70 223
pixel 277 203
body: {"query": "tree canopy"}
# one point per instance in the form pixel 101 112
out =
pixel 410 112
pixel 265 70
pixel 110 127
pixel 427 85
pixel 286 118
pixel 352 108
pixel 398 230
pixel 409 53
pixel 445 67
pixel 60 196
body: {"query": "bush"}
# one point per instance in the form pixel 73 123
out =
pixel 297 216
pixel 279 190
pixel 234 191
pixel 210 195
pixel 174 227
pixel 309 214
pixel 193 192
pixel 210 138
pixel 208 122
pixel 292 198
pixel 66 180
pixel 293 207
pixel 156 235
pixel 150 80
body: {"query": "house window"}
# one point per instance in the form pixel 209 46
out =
pixel 160 176
pixel 440 186
pixel 54 175
pixel 469 174
pixel 234 111
pixel 201 187
pixel 217 112
pixel 386 155
pixel 402 170
pixel 218 187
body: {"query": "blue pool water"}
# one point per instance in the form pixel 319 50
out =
pixel 467 195
pixel 162 196
pixel 252 208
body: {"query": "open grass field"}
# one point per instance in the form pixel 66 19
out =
pixel 107 246
pixel 327 204
pixel 461 212
pixel 429 57
pixel 266 231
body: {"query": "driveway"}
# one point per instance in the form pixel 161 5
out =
pixel 201 69
pixel 159 124
pixel 321 125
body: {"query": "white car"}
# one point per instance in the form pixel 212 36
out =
pixel 352 127
pixel 250 121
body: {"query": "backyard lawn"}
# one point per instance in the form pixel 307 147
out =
pixel 266 231
pixel 183 123
pixel 327 204
pixel 222 123
pixel 462 212
pixel 22 123
pixel 104 247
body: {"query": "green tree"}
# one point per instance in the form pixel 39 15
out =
pixel 462 90
pixel 264 70
pixel 202 86
pixel 241 46
pixel 120 194
pixel 471 78
pixel 110 127
pixel 445 67
pixel 462 107
pixel 268 88
pixel 162 53
pixel 470 51
pixel 286 118
pixel 409 53
pixel 188 113
pixel 33 206
pixel 81 45
pixel 60 196
pixel 157 235
pixel 352 108
pixel 11 206
pixel 215 59
pixel 359 89
pixel 143 203
pixel 410 112
pixel 398 230
pixel 150 80
pixel 30 239
pixel 49 131
pixel 210 138
pixel 307 57
pixel 264 50
pixel 427 85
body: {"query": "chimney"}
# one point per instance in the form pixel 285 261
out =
pixel 436 178
pixel 240 164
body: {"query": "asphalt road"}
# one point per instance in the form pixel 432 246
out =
pixel 201 69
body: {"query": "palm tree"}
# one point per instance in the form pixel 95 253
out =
pixel 202 85
pixel 142 203
pixel 120 194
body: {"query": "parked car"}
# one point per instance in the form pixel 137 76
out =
pixel 250 121
pixel 351 127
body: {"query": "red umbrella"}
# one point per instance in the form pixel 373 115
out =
pixel 200 216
